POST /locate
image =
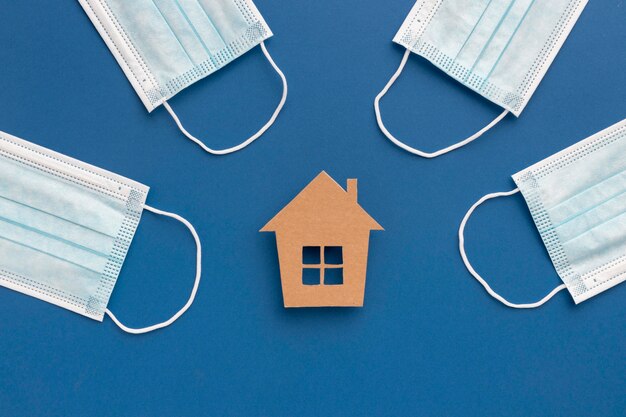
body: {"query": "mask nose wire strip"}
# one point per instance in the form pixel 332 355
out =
pixel 477 276
pixel 195 285
pixel 253 137
pixel 408 148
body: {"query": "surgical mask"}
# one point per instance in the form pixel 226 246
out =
pixel 65 229
pixel 577 199
pixel 499 48
pixel 164 46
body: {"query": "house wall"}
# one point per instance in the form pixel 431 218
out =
pixel 355 245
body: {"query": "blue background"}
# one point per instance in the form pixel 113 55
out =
pixel 429 340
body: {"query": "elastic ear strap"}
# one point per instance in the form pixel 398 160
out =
pixel 408 148
pixel 195 285
pixel 477 276
pixel 251 138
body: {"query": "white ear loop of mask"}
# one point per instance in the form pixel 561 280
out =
pixel 195 285
pixel 253 137
pixel 408 148
pixel 477 276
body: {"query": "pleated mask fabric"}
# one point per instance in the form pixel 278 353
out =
pixel 499 48
pixel 164 46
pixel 577 199
pixel 66 227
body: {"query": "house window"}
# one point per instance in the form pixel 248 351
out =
pixel 322 265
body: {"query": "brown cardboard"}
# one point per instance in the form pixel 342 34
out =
pixel 323 215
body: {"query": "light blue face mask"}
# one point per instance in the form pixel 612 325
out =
pixel 498 48
pixel 65 229
pixel 577 199
pixel 164 46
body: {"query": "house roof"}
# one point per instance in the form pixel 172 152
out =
pixel 322 203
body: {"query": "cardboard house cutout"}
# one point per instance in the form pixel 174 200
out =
pixel 323 238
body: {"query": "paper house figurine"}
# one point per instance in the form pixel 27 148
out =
pixel 323 238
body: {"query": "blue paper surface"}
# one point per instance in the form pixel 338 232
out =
pixel 429 340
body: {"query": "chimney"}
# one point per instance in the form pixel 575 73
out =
pixel 352 189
